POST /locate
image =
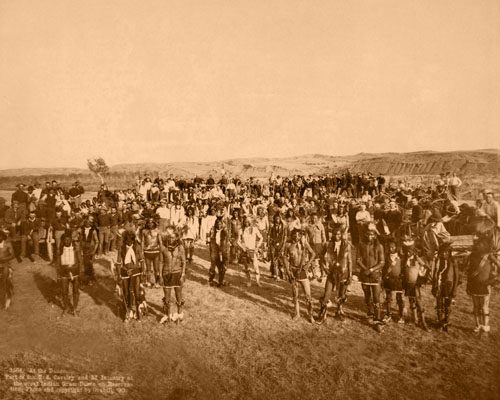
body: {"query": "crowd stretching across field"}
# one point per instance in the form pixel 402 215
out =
pixel 334 229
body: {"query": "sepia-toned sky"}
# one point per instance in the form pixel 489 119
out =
pixel 203 80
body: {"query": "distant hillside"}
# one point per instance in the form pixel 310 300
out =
pixel 416 163
pixel 430 163
pixel 480 162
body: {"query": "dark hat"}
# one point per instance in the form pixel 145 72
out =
pixel 436 216
pixel 445 245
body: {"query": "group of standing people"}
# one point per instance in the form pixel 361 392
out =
pixel 330 228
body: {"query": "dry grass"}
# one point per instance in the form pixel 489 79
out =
pixel 239 343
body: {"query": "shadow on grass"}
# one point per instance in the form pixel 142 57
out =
pixel 49 289
pixel 103 290
pixel 272 294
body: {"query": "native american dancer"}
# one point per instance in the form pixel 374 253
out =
pixel 129 273
pixel 69 269
pixel 89 244
pixel 371 261
pixel 296 266
pixel 189 233
pixel 277 241
pixel 414 276
pixel 173 274
pixel 393 282
pixel 444 284
pixel 219 251
pixel 234 230
pixel 339 263
pixel 249 243
pixel 151 243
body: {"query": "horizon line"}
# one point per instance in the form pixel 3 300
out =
pixel 258 157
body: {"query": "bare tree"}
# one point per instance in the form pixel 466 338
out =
pixel 98 166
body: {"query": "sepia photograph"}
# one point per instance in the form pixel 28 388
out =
pixel 235 199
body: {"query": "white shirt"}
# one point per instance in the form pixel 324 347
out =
pixel 163 212
pixel 130 255
pixel 455 181
pixel 263 223
pixel 177 216
pixel 363 216
pixel 68 256
pixel 37 193
pixel 217 236
pixel 336 247
pixel 191 227
pixel 249 237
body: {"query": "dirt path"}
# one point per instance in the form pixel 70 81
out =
pixel 241 343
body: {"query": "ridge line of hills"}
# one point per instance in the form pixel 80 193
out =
pixel 484 161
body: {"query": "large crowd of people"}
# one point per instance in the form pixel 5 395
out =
pixel 335 228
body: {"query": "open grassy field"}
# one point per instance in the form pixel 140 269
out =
pixel 240 343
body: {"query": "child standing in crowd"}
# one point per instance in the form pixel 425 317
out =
pixel 482 270
pixel 393 282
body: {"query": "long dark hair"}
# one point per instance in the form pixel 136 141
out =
pixel 127 236
pixel 343 242
pixel 67 233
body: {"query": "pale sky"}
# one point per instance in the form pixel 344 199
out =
pixel 202 80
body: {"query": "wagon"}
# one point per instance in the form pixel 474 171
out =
pixel 462 245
